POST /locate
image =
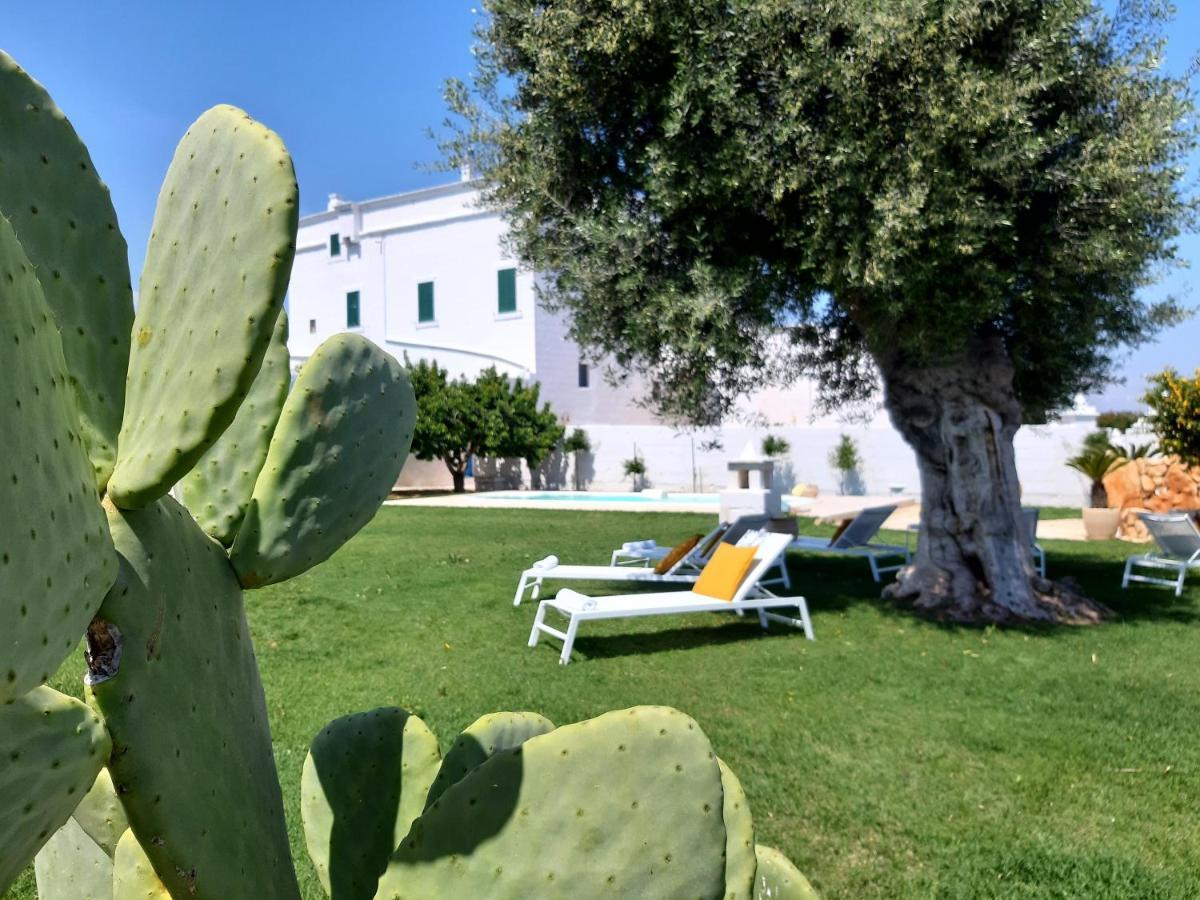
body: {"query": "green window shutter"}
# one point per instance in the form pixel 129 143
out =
pixel 335 245
pixel 507 289
pixel 353 318
pixel 425 301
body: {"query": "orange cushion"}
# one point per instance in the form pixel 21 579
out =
pixel 724 572
pixel 678 552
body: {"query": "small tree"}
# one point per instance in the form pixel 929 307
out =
pixel 576 443
pixel 533 431
pixel 450 425
pixel 635 469
pixel 845 460
pixel 1174 402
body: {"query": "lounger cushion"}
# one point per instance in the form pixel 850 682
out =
pixel 712 542
pixel 723 575
pixel 676 553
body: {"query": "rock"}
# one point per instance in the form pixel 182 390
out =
pixel 1155 485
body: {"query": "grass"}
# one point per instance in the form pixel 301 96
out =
pixel 889 758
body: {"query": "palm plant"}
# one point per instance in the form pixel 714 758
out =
pixel 1094 462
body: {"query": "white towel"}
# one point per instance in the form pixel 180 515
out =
pixel 634 546
pixel 586 603
pixel 548 563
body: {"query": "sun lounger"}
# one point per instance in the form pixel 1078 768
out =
pixel 855 539
pixel 1178 542
pixel 684 571
pixel 751 596
pixel 1039 555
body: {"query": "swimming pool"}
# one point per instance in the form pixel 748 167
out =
pixel 659 498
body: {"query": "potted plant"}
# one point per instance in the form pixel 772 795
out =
pixel 636 469
pixel 1094 461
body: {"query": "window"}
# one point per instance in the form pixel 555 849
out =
pixel 425 301
pixel 335 245
pixel 583 375
pixel 506 281
pixel 312 326
pixel 353 318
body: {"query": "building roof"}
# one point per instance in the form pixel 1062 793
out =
pixel 339 204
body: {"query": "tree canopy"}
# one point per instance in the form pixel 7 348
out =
pixel 491 416
pixel 728 192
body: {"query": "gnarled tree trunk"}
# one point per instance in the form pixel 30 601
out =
pixel 973 562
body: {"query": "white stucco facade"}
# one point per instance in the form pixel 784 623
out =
pixel 378 258
pixel 360 266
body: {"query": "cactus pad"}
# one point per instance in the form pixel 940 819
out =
pixel 217 267
pixel 134 877
pixel 740 861
pixel 76 863
pixel 56 558
pixel 218 490
pixel 64 218
pixel 73 867
pixel 483 739
pixel 186 659
pixel 101 815
pixel 624 805
pixel 778 879
pixel 364 782
pixel 341 441
pixel 52 747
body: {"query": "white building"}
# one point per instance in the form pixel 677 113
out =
pixel 425 275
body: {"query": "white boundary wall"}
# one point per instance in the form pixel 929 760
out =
pixel 675 461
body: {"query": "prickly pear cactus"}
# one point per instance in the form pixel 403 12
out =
pixel 342 437
pixel 73 867
pixel 216 270
pixel 365 780
pixel 64 218
pixel 482 739
pixel 52 747
pixel 218 490
pixel 778 879
pixel 633 803
pixel 56 559
pixel 135 878
pixel 171 644
pixel 607 785
pixel 740 862
pixel 77 861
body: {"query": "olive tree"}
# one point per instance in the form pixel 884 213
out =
pixel 952 205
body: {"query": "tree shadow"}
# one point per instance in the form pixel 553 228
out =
pixel 680 638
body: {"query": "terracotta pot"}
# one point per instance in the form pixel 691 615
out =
pixel 1101 524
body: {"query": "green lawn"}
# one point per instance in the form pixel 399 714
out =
pixel 889 758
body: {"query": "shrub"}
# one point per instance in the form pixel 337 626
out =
pixel 1174 402
pixel 1120 420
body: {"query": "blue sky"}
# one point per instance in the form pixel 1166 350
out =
pixel 351 87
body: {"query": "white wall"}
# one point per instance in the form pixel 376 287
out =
pixel 887 460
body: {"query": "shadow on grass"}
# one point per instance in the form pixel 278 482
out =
pixel 683 638
pixel 838 585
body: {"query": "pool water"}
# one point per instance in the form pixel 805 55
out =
pixel 607 497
